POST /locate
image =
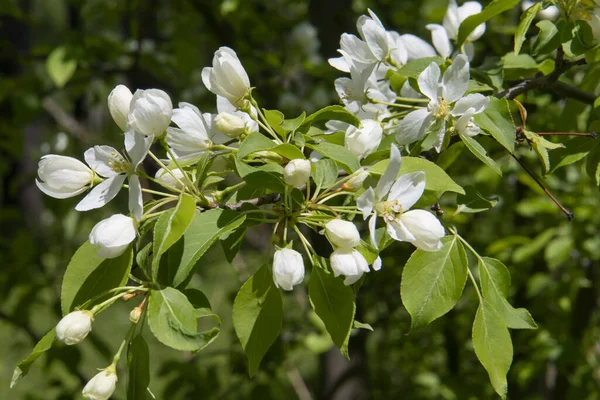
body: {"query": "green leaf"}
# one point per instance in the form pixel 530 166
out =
pixel 474 202
pixel 491 10
pixel 526 20
pixel 495 282
pixel 172 320
pixel 257 316
pixel 291 125
pixel 497 121
pixel 59 68
pixel 254 142
pixel 325 173
pixel 204 230
pixel 88 275
pixel 432 282
pixel 40 348
pixel 275 118
pixel 547 40
pixel 268 176
pixel 479 152
pixel 170 227
pixel 575 149
pixel 451 154
pixel 493 346
pixel 413 68
pixel 288 151
pixel 335 113
pixel 339 154
pixel 334 304
pixel 204 164
pixel 436 179
pixel 519 66
pixel 541 147
pixel 592 165
pixel 138 364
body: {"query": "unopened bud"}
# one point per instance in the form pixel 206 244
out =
pixel 229 124
pixel 169 178
pixel 102 385
pixel 135 315
pixel 296 173
pixel 356 182
pixel 74 327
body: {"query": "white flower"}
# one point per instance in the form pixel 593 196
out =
pixel 446 102
pixel 416 47
pixel 150 112
pixel 364 140
pixel 456 15
pixel 74 327
pixel 168 179
pixel 102 385
pixel 350 263
pixel 113 235
pixel 119 101
pixel 227 77
pixel 62 177
pixel 296 173
pixel 392 200
pixel 195 134
pixel 288 268
pixel 229 124
pixel 224 105
pixel 342 233
pixel 109 163
pixel 356 181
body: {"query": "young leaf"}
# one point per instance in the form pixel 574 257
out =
pixel 291 125
pixel 474 202
pixel 40 348
pixel 257 316
pixel 336 113
pixel 339 154
pixel 479 152
pixel 432 282
pixel 89 275
pixel 275 118
pixel 497 121
pixel 547 40
pixel 138 364
pixel 172 319
pixel 526 20
pixel 325 173
pixel 491 10
pixel 170 227
pixel 413 68
pixel 59 68
pixel 495 282
pixel 288 151
pixel 541 147
pixel 493 346
pixel 575 149
pixel 436 179
pixel 254 142
pixel 204 230
pixel 334 304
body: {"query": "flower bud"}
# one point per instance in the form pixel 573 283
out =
pixel 288 268
pixel 166 178
pixel 350 263
pixel 356 181
pixel 296 173
pixel 135 315
pixel 342 233
pixel 74 327
pixel 227 77
pixel 101 386
pixel 365 140
pixel 150 112
pixel 118 104
pixel 62 177
pixel 229 124
pixel 113 235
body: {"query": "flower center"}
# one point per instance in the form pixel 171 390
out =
pixel 118 163
pixel 389 210
pixel 439 109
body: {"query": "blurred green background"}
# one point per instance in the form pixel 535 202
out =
pixel 59 59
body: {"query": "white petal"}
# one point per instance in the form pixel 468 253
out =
pixel 101 194
pixel 398 231
pixel 465 11
pixel 102 159
pixel 429 81
pixel 355 49
pixel 439 135
pixel 376 38
pixel 136 204
pixel 451 20
pixel 417 47
pixel 52 192
pixel 408 189
pixel 425 227
pixel 377 264
pixel 391 172
pixel 476 101
pixel 373 230
pixel 413 127
pixel 440 40
pixel 456 79
pixel 365 202
pixel 137 146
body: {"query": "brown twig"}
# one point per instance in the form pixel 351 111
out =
pixel 590 134
pixel 65 120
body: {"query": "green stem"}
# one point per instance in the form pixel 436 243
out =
pixel 264 125
pixel 163 166
pixel 411 100
pixel 396 105
pixel 305 244
pixel 468 246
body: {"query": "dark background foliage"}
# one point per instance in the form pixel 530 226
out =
pixel 284 45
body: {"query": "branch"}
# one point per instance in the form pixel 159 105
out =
pixel 65 120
